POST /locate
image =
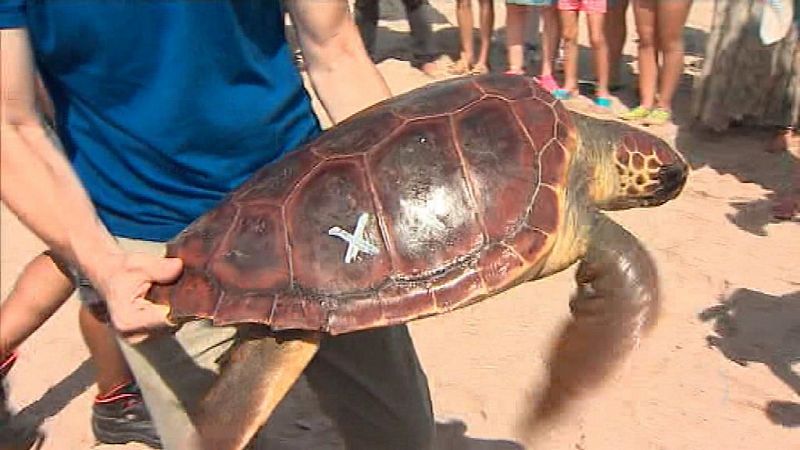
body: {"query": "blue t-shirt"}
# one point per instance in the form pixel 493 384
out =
pixel 164 107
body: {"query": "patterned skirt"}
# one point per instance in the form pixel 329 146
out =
pixel 744 81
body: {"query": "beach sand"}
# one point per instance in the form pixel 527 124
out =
pixel 729 277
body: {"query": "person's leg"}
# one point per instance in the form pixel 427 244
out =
pixel 366 13
pixel 645 13
pixel 516 22
pixel 373 387
pixel 40 290
pixel 14 433
pixel 616 32
pixel 600 53
pixel 551 35
pixel 112 371
pixel 464 18
pixel 486 29
pixel 569 33
pixel 42 287
pixel 422 34
pixel 671 17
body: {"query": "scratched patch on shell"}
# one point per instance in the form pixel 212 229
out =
pixel 356 241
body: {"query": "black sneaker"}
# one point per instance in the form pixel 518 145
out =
pixel 121 416
pixel 14 434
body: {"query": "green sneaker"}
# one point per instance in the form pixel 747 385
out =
pixel 638 113
pixel 658 116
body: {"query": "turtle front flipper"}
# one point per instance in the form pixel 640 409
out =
pixel 259 374
pixel 616 302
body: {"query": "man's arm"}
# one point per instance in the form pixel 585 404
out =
pixel 344 78
pixel 38 184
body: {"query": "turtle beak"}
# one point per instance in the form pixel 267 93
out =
pixel 671 179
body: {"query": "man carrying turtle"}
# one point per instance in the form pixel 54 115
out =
pixel 163 108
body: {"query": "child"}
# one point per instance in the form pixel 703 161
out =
pixel 118 413
pixel 616 32
pixel 467 63
pixel 595 11
pixel 517 12
pixel 660 29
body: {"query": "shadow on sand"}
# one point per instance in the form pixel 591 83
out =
pixel 59 396
pixel 753 327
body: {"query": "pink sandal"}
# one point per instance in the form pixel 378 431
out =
pixel 547 82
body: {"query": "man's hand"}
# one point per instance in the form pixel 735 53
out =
pixel 124 281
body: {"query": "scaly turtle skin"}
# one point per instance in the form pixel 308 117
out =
pixel 422 204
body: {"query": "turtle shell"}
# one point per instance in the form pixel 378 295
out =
pixel 421 204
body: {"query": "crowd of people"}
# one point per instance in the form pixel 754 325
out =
pixel 126 162
pixel 751 72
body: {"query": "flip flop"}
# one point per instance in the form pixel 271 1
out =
pixel 479 69
pixel 458 68
pixel 603 102
pixel 562 94
pixel 658 116
pixel 638 113
pixel 547 82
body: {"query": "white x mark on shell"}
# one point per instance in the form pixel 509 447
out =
pixel 356 242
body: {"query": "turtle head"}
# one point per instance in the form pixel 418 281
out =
pixel 627 166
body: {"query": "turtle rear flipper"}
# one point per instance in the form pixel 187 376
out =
pixel 616 302
pixel 257 377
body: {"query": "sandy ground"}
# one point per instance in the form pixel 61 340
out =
pixel 730 278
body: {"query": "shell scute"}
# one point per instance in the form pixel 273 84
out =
pixel 237 307
pixel 252 256
pixel 401 300
pixel 509 87
pixel 436 99
pixel 196 245
pixel 545 214
pixel 539 120
pixel 276 181
pixel 457 287
pixel 335 196
pixel 427 208
pixel 554 161
pixel 493 153
pixel 358 134
pixel 195 295
pixel 529 243
pixel 499 265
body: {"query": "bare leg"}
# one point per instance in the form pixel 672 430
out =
pixel 112 370
pixel 258 376
pixel 464 17
pixel 600 51
pixel 516 21
pixel 671 17
pixel 486 29
pixel 616 32
pixel 569 32
pixel 616 302
pixel 40 290
pixel 645 13
pixel 550 38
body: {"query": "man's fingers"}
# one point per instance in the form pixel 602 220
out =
pixel 146 319
pixel 164 270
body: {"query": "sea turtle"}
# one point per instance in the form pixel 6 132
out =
pixel 421 204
